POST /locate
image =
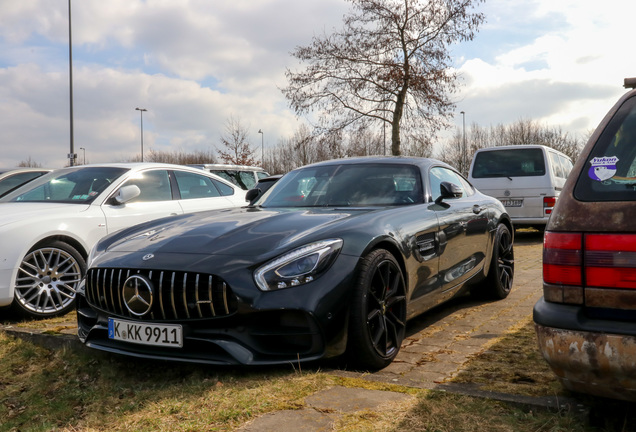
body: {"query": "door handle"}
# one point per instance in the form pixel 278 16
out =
pixel 477 209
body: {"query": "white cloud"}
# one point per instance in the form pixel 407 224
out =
pixel 195 63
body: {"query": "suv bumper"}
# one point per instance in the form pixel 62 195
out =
pixel 587 355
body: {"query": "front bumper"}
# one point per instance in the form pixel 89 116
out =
pixel 588 356
pixel 302 323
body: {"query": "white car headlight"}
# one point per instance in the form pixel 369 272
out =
pixel 299 266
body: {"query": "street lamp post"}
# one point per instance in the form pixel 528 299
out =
pixel 464 141
pixel 260 131
pixel 71 155
pixel 83 155
pixel 141 113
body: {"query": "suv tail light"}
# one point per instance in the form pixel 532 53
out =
pixel 548 204
pixel 575 261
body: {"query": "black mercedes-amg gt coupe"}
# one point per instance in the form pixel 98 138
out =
pixel 332 260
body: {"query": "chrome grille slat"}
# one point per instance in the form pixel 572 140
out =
pixel 210 295
pixel 185 295
pixel 177 295
pixel 112 291
pixel 227 309
pixel 196 295
pixel 163 312
pixel 174 305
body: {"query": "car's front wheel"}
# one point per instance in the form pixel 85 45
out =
pixel 47 280
pixel 378 312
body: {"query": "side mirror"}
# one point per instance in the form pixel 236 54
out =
pixel 126 193
pixel 252 194
pixel 448 190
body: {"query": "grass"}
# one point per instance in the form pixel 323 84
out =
pixel 80 390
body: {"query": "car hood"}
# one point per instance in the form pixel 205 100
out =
pixel 236 232
pixel 11 212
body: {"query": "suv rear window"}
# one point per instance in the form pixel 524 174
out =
pixel 610 172
pixel 509 163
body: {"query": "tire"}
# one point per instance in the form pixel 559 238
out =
pixel 47 280
pixel 498 282
pixel 378 312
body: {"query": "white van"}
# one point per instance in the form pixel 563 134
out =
pixel 527 179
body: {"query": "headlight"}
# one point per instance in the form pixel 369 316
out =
pixel 299 266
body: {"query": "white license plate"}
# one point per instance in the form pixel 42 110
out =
pixel 165 335
pixel 512 202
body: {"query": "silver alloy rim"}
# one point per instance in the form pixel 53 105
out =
pixel 47 280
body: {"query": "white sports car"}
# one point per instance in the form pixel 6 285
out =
pixel 48 227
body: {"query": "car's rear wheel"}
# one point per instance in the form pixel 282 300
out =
pixel 498 283
pixel 47 280
pixel 378 312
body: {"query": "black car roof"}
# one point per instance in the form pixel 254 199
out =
pixel 405 160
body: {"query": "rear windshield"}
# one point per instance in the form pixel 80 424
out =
pixel 509 163
pixel 610 171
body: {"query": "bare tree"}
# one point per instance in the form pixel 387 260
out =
pixel 29 163
pixel 390 63
pixel 179 157
pixel 236 146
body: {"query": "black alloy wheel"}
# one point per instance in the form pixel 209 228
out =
pixel 498 283
pixel 378 312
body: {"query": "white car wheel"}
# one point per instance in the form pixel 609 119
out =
pixel 47 280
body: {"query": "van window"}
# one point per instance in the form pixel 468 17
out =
pixel 566 164
pixel 509 163
pixel 557 168
pixel 243 179
pixel 610 171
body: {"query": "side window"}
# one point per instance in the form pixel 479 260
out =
pixel 154 186
pixel 438 175
pixel 557 169
pixel 261 174
pixel 567 165
pixel 193 185
pixel 223 188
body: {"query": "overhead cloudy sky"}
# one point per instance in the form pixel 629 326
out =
pixel 193 64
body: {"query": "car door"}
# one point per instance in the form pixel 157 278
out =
pixel 199 192
pixel 155 201
pixel 463 230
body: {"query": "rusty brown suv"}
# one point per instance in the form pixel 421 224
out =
pixel 586 320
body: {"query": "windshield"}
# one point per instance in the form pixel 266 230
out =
pixel 347 186
pixel 74 185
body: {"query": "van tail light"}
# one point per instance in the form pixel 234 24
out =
pixel 548 204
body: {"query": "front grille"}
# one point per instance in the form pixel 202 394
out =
pixel 176 295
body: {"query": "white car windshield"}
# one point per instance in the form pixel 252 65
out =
pixel 74 185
